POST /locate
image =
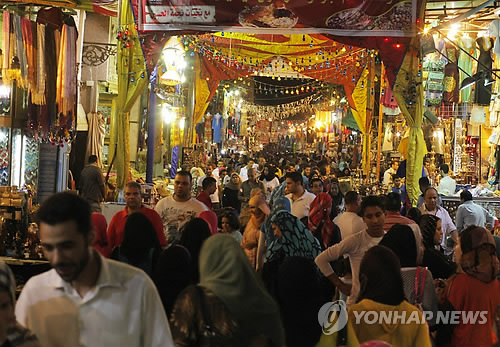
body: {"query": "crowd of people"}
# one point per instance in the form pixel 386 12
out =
pixel 252 260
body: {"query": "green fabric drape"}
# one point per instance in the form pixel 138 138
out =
pixel 132 79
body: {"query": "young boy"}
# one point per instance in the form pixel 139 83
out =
pixel 208 187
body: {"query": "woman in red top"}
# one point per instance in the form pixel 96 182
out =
pixel 476 291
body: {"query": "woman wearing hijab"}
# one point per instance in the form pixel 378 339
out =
pixel 230 192
pixel 299 300
pixel 337 199
pixel 172 274
pixel 320 224
pixel 250 242
pixel 406 242
pixel 476 289
pixel 229 307
pixel 101 239
pixel 270 180
pixel 438 264
pixel 140 246
pixel 292 239
pixel 382 292
pixel 194 234
pixel 12 334
pixel 211 218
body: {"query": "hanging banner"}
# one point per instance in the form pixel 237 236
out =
pixel 345 18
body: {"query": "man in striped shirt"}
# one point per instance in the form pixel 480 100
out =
pixel 393 215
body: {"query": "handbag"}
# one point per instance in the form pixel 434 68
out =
pixel 420 286
pixel 207 332
pixel 444 332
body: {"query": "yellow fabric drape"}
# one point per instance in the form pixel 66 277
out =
pixel 132 79
pixel 413 112
pixel 360 99
pixel 202 93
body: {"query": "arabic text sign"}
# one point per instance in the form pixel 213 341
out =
pixel 179 14
pixel 347 18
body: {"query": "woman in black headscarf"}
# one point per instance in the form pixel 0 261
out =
pixel 437 263
pixel 382 292
pixel 140 246
pixel 195 232
pixel 172 274
pixel 337 199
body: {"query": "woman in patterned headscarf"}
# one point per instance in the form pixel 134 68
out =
pixel 292 239
pixel 320 223
pixel 475 290
pixel 438 264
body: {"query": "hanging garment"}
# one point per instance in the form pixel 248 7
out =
pixel 495 111
pixel 465 63
pixel 97 132
pixel 494 31
pixel 450 82
pixel 485 63
pixel 208 127
pixel 478 115
pixel 388 144
pixel 390 106
pixel 217 127
pixel 199 132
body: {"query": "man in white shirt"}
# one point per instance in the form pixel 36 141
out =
pixel 215 196
pixel 447 185
pixel 178 209
pixel 389 172
pixel 355 247
pixel 469 213
pixel 350 222
pixel 86 299
pixel 300 199
pixel 430 206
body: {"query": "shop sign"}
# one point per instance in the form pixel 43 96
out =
pixel 344 18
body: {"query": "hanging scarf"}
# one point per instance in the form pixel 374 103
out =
pixel 295 239
pixel 5 45
pixel 38 95
pixel 29 50
pixel 22 76
pixel 479 258
pixel 319 218
pixel 66 72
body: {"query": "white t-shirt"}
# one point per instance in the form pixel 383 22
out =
pixel 349 224
pixel 388 176
pixel 215 196
pixel 244 174
pixel 175 214
pixel 447 186
pixel 301 206
pixel 270 185
pixel 355 247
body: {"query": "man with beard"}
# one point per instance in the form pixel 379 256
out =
pixel 86 299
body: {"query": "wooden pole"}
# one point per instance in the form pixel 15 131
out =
pixel 380 116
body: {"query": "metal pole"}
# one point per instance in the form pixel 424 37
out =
pixel 151 128
pixel 380 118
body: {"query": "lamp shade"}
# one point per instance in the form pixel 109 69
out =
pixel 171 77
